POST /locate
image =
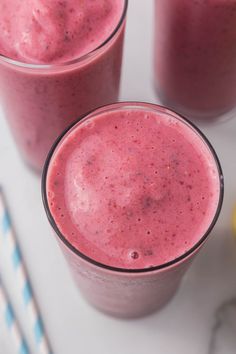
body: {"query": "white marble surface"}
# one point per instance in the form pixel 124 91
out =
pixel 201 319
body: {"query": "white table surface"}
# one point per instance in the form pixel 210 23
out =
pixel 201 319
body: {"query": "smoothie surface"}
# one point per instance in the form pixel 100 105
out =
pixel 52 31
pixel 133 188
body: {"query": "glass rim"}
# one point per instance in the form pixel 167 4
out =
pixel 80 59
pixel 157 108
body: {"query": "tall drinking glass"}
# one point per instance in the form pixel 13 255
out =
pixel 130 220
pixel 40 101
pixel 195 57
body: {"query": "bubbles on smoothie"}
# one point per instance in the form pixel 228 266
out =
pixel 50 194
pixel 89 124
pixel 133 255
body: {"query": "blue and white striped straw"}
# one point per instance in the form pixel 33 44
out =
pixel 22 277
pixel 12 324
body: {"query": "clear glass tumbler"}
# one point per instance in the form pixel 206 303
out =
pixel 195 57
pixel 40 101
pixel 129 292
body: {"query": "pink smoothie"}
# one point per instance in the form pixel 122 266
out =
pixel 133 188
pixel 53 82
pixel 52 31
pixel 195 56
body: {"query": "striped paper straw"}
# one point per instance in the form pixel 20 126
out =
pixel 12 324
pixel 19 267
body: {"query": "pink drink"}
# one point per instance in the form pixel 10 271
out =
pixel 132 191
pixel 195 56
pixel 60 59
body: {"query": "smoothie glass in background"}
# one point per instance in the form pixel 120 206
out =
pixel 132 191
pixel 195 57
pixel 41 99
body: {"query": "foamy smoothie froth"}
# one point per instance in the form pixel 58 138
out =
pixel 51 31
pixel 133 188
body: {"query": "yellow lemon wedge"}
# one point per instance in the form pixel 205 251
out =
pixel 234 221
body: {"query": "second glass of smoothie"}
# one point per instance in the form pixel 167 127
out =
pixel 132 192
pixel 58 60
pixel 195 57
